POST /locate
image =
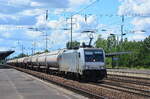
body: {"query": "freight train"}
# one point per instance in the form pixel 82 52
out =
pixel 87 63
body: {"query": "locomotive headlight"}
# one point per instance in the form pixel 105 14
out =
pixel 101 67
pixel 87 67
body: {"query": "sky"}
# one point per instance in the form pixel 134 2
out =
pixel 17 17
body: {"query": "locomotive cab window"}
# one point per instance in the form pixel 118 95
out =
pixel 94 56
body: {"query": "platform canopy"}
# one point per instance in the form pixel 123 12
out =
pixel 4 54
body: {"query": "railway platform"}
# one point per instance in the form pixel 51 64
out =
pixel 135 71
pixel 18 85
pixel 130 72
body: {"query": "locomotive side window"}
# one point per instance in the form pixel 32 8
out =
pixel 94 56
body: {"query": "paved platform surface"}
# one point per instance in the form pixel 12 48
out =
pixel 18 85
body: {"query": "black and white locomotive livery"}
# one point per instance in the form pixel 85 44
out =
pixel 83 62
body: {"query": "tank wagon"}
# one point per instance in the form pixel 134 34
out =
pixel 84 63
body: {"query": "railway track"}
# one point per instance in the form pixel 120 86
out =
pixel 129 79
pixel 124 87
pixel 134 85
pixel 107 89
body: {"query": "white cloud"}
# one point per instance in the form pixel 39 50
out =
pixel 41 21
pixel 137 37
pixel 35 4
pixel 7 34
pixel 13 27
pixel 141 22
pixel 81 37
pixel 134 7
pixel 54 24
pixel 7 16
pixel 19 9
pixel 12 10
pixel 81 24
pixel 33 34
pixel 18 2
pixel 59 38
pixel 139 7
pixel 32 12
pixel 29 8
pixel 78 2
pixel 59 11
pixel 3 48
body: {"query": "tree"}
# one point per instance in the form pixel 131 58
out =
pixel 144 55
pixel 38 53
pixel 74 44
pixel 46 50
pixel 139 58
pixel 21 55
pixel 111 43
pixel 101 43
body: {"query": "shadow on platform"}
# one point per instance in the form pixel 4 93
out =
pixel 4 67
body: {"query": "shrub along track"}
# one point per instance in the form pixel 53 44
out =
pixel 102 90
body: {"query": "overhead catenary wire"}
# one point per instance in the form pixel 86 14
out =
pixel 91 4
